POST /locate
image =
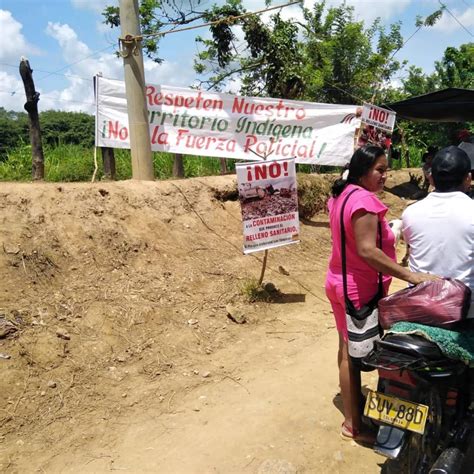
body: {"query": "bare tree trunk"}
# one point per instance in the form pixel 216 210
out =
pixel 178 166
pixel 31 106
pixel 108 161
pixel 223 166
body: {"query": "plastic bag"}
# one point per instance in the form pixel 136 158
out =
pixel 434 303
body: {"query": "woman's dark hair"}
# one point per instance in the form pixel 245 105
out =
pixel 361 162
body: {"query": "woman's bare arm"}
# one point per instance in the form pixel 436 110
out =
pixel 365 231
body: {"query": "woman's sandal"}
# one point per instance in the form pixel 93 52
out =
pixel 362 437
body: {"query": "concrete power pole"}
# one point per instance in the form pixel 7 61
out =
pixel 142 162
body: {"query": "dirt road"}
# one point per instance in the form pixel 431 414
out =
pixel 270 408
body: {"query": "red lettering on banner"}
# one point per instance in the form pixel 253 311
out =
pixel 260 172
pixel 274 170
pixel 188 140
pixel 378 115
pixel 159 137
pixel 241 106
pixel 115 132
pixel 264 171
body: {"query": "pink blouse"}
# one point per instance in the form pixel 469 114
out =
pixel 361 277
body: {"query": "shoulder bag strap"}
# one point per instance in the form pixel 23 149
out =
pixel 343 250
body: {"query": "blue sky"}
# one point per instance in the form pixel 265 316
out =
pixel 67 44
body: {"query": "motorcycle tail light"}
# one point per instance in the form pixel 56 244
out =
pixel 451 397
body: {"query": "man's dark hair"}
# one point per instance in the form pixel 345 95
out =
pixel 361 162
pixel 449 168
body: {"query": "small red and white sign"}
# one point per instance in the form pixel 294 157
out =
pixel 269 203
pixel 378 117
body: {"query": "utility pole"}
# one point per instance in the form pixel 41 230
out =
pixel 142 162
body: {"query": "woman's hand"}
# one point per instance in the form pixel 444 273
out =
pixel 417 278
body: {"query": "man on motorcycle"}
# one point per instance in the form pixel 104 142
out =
pixel 440 228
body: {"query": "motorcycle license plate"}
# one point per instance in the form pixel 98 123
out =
pixel 396 412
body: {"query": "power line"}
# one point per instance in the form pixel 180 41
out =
pixel 70 64
pixel 2 91
pixel 50 72
pixel 76 62
pixel 455 18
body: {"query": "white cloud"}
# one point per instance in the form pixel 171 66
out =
pixel 448 24
pixel 369 10
pixel 15 44
pixel 94 5
pixel 234 85
pixel 170 73
pixel 67 39
pixel 84 64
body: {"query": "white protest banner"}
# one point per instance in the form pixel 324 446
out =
pixel 269 202
pixel 376 126
pixel 195 122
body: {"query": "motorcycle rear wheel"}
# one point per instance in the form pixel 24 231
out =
pixel 420 451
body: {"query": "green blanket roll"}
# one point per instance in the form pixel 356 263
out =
pixel 458 345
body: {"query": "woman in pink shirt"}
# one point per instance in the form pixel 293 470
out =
pixel 364 260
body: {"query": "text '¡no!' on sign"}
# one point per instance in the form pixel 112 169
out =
pixel 264 171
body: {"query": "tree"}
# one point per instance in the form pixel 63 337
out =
pixel 157 16
pixel 60 127
pixel 269 61
pixel 13 130
pixel 335 60
pixel 454 69
pixel 57 127
pixel 345 61
pixel 329 56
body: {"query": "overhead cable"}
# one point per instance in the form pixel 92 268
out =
pixel 2 91
pixel 455 18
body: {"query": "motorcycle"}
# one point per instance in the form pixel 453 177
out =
pixel 423 406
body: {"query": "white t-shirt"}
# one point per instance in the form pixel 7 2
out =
pixel 440 232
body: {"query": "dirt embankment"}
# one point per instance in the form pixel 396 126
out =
pixel 114 299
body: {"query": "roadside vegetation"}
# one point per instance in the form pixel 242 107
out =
pixel 328 57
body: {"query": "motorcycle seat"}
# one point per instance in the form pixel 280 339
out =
pixel 412 345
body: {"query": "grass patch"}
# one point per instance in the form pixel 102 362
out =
pixel 76 163
pixel 253 292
